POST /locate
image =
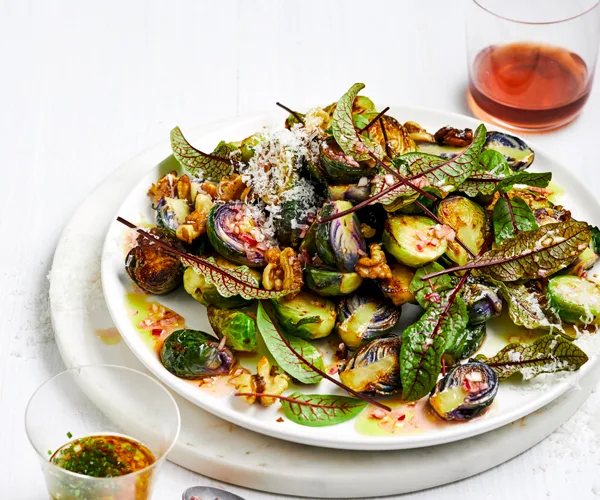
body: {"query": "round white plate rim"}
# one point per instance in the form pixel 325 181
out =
pixel 378 443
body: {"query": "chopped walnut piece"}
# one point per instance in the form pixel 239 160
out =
pixel 283 271
pixel 210 188
pixel 375 266
pixel 164 187
pixel 266 381
pixel 231 188
pixel 184 188
pixel 195 223
pixel 454 137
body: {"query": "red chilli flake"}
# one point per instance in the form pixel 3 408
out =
pixel 401 417
pixel 157 332
pixel 467 385
pixel 419 247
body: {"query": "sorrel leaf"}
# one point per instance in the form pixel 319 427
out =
pixel 319 410
pixel 535 179
pixel 547 354
pixel 424 342
pixel 525 307
pixel 211 167
pixel 345 132
pixel 428 292
pixel 281 346
pixel 532 254
pixel 512 216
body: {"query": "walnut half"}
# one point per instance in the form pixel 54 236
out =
pixel 375 266
pixel 283 270
pixel 266 381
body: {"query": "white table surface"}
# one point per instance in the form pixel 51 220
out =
pixel 87 85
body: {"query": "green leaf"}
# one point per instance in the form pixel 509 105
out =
pixel 284 348
pixel 547 354
pixel 231 281
pixel 512 216
pixel 443 175
pixel 319 410
pixel 346 134
pixel 525 308
pixel 428 291
pixel 532 254
pixel 494 163
pixel 527 178
pixel 211 167
pixel 423 344
pixel 480 183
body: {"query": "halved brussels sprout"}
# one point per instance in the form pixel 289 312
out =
pixel 292 222
pixel 207 293
pixel 306 315
pixel 247 147
pixel 397 288
pixel 483 301
pixel 340 242
pixel 171 213
pixel 471 223
pixel 465 391
pixel 235 231
pixel 362 318
pixel 151 267
pixel 238 328
pixel 375 367
pixel 331 283
pixel 399 140
pixel 339 167
pixel 575 300
pixel 411 239
pixel 516 151
pixel 589 257
pixel 464 343
pixel 193 354
pixel 350 192
pixel 362 105
pixel 442 150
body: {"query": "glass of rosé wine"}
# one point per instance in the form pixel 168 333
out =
pixel 531 62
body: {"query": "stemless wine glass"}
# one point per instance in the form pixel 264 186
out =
pixel 96 400
pixel 531 62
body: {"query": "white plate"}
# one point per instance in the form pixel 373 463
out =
pixel 514 400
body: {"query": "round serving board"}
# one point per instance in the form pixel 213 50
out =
pixel 85 335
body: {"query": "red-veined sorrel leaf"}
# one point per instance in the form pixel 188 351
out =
pixel 211 167
pixel 511 216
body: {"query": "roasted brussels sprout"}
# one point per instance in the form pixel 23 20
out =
pixel 551 214
pixel 444 151
pixel 247 147
pixel 465 343
pixel 412 239
pixel 350 192
pixel 398 138
pixel 465 391
pixel 483 301
pixel 306 315
pixel 397 289
pixel 362 105
pixel 193 354
pixel 339 243
pixel 516 151
pixel 207 294
pixel 171 213
pixel 362 318
pixel 375 367
pixel 418 133
pixel 330 283
pixel 471 223
pixel 589 257
pixel 235 231
pixel 238 328
pixel 339 167
pixel 153 268
pixel 575 300
pixel 292 222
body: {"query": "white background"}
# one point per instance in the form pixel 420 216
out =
pixel 87 85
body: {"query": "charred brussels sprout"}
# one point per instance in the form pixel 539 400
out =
pixel 375 367
pixel 171 213
pixel 340 242
pixel 464 344
pixel 397 288
pixel 238 328
pixel 398 138
pixel 236 232
pixel 331 283
pixel 471 223
pixel 306 315
pixel 362 318
pixel 362 105
pixel 464 392
pixel 516 151
pixel 339 167
pixel 589 257
pixel 575 300
pixel 411 239
pixel 292 222
pixel 151 267
pixel 349 192
pixel 193 354
pixel 483 301
pixel 206 293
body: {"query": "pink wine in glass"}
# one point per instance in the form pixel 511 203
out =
pixel 529 85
